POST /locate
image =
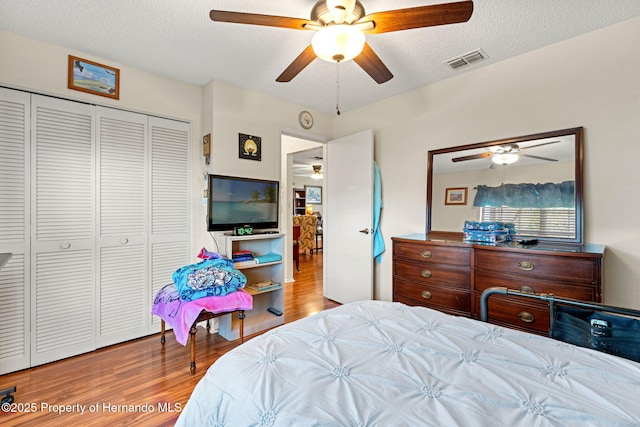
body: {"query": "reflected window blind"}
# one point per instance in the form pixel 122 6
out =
pixel 548 222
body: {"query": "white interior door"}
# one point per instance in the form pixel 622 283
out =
pixel 122 226
pixel 348 218
pixel 63 272
pixel 15 214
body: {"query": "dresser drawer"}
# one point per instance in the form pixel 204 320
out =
pixel 511 312
pixel 432 274
pixel 484 280
pixel 431 296
pixel 539 266
pixel 432 253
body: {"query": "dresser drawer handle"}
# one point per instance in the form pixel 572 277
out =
pixel 426 273
pixel 425 254
pixel 526 265
pixel 426 294
pixel 527 290
pixel 526 317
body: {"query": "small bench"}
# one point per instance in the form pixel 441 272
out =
pixel 183 316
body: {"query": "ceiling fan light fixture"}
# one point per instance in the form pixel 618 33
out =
pixel 338 43
pixel 505 158
pixel 317 172
pixel 341 9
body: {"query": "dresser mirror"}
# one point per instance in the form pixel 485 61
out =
pixel 534 181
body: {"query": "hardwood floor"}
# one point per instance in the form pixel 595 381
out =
pixel 139 382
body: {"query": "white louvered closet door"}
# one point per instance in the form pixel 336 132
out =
pixel 123 295
pixel 170 189
pixel 62 229
pixel 14 230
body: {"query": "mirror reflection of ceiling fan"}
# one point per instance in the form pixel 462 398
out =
pixel 341 26
pixel 506 154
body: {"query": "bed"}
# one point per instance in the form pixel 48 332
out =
pixel 377 363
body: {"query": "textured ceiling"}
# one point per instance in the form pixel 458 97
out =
pixel 177 39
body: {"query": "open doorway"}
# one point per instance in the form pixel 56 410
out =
pixel 300 159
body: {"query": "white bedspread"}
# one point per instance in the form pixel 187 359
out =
pixel 377 363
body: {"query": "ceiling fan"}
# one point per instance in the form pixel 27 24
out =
pixel 506 154
pixel 341 26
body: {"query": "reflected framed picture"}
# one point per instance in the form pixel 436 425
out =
pixel 456 196
pixel 91 77
pixel 313 194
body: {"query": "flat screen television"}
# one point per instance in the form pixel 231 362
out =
pixel 240 202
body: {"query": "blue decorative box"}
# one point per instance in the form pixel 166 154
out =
pixel 486 236
pixel 484 226
pixel 488 231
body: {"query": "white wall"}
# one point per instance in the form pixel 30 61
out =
pixel 217 108
pixel 230 110
pixel 589 81
pixel 42 67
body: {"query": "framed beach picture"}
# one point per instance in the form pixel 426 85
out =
pixel 91 77
pixel 456 196
pixel 313 194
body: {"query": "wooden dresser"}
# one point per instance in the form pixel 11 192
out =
pixel 450 275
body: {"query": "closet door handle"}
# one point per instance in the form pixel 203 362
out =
pixel 124 241
pixel 65 245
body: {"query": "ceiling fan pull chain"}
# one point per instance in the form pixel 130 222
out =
pixel 338 87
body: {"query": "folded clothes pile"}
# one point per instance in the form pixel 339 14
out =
pixel 488 231
pixel 214 276
pixel 250 259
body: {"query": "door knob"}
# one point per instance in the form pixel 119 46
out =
pixel 364 231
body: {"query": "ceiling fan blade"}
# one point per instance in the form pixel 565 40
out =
pixel 305 58
pixel 538 157
pixel 256 19
pixel 371 63
pixel 539 145
pixel 472 157
pixel 419 17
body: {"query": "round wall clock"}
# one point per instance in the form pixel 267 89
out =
pixel 305 119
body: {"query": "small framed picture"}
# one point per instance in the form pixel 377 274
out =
pixel 313 194
pixel 249 147
pixel 91 77
pixel 456 196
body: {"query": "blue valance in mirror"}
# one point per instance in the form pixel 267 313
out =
pixel 541 196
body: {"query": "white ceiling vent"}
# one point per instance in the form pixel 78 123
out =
pixel 466 59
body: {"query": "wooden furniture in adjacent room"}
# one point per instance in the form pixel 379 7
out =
pixel 450 275
pixel 299 201
pixel 308 228
pixel 296 246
